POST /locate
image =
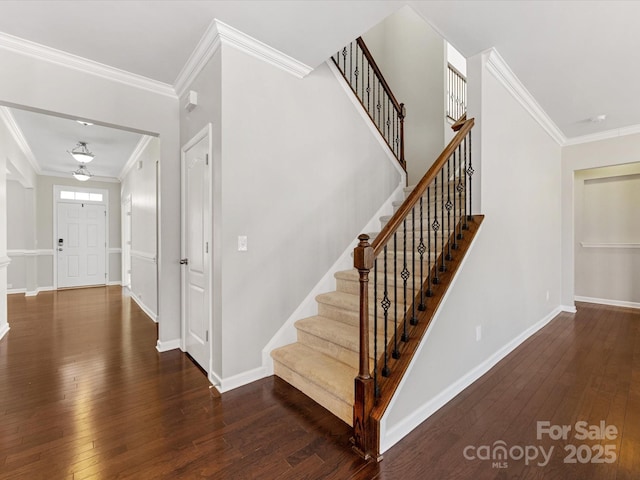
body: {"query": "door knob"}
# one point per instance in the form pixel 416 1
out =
pixel 184 261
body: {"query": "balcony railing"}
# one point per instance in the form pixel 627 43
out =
pixel 456 94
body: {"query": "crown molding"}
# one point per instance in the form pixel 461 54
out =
pixel 501 71
pixel 219 33
pixel 69 60
pixel 207 47
pixel 251 46
pixel 18 136
pixel 135 155
pixel 596 137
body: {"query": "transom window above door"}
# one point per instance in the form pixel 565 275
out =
pixel 84 196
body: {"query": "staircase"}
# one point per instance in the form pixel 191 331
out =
pixel 324 361
pixel 352 355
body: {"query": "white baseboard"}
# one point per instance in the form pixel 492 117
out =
pixel 215 380
pixel 168 345
pixel 604 301
pixel 3 330
pixel 568 308
pixel 143 307
pixel 225 384
pixel 114 283
pixel 404 427
pixel 287 333
pixel 31 293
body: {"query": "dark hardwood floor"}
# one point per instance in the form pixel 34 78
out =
pixel 84 394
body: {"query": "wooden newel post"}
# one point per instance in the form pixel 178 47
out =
pixel 364 437
pixel 403 113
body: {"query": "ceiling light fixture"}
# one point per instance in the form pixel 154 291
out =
pixel 81 153
pixel 86 124
pixel 598 118
pixel 82 173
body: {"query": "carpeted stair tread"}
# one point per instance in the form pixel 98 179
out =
pixel 325 379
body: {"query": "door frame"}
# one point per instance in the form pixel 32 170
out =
pixel 125 215
pixel 56 200
pixel 206 132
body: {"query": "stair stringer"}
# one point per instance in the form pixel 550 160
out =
pixel 287 334
pixel 389 437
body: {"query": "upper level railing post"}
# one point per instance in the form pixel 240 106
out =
pixel 364 437
pixel 402 114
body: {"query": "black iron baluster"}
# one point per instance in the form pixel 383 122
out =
pixel 395 353
pixel 421 251
pixel 430 279
pixel 435 226
pixel 455 206
pixel 351 64
pixel 356 73
pixel 386 303
pixel 470 172
pixel 395 133
pixel 368 88
pixel 405 276
pixel 344 61
pixel 449 205
pixel 414 319
pixel 465 226
pixel 362 72
pixel 378 106
pixel 460 189
pixel 443 267
pixel 376 388
pixel 388 120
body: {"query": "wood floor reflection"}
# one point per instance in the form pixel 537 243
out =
pixel 84 394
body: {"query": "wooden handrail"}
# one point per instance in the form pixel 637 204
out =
pixel 398 106
pixel 405 209
pixel 459 123
pixel 457 72
pixel 374 391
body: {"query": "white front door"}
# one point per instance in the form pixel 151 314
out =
pixel 196 248
pixel 81 244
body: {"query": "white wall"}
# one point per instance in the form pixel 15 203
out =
pixel 11 158
pixel 21 240
pixel 55 88
pixel 140 186
pixel 411 56
pixel 613 151
pixel 296 170
pixel 513 266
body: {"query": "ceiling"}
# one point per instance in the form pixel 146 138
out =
pixel 51 138
pixel 575 57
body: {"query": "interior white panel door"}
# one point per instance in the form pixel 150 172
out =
pixel 81 244
pixel 195 224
